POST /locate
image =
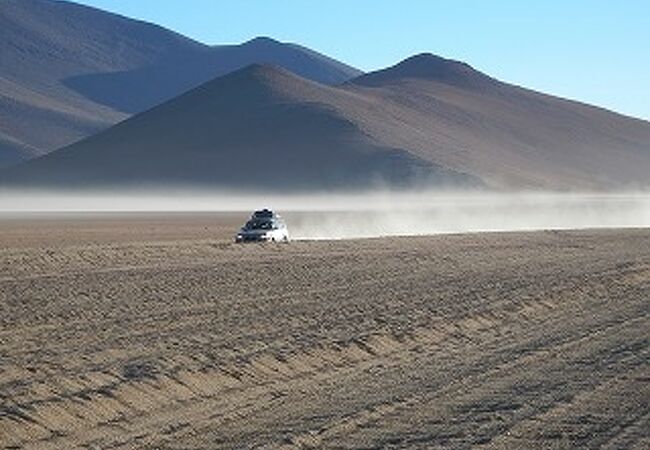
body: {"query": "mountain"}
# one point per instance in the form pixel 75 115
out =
pixel 428 67
pixel 261 126
pixel 424 121
pixel 69 71
pixel 506 135
pixel 135 90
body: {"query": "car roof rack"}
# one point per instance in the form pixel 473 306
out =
pixel 264 214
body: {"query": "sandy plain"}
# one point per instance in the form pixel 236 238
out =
pixel 156 331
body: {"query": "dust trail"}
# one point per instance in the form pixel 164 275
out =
pixel 473 213
pixel 369 214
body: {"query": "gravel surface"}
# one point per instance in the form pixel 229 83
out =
pixel 156 331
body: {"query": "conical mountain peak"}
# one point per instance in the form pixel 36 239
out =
pixel 427 67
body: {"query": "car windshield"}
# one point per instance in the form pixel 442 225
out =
pixel 259 225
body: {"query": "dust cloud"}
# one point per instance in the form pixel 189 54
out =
pixel 459 213
pixel 370 214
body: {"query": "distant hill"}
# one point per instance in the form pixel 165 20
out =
pixel 432 68
pixel 261 126
pixel 425 121
pixel 446 111
pixel 68 71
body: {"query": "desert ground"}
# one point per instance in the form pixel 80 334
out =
pixel 155 331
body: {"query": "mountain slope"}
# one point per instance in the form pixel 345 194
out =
pixel 506 135
pixel 68 71
pixel 424 121
pixel 258 127
pixel 175 74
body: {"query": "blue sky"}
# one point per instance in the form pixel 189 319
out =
pixel 594 51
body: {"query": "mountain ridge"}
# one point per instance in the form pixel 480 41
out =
pixel 265 127
pixel 325 149
pixel 425 120
pixel 101 67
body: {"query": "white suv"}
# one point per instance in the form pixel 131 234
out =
pixel 264 225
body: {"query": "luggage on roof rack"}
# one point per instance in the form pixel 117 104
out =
pixel 264 214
